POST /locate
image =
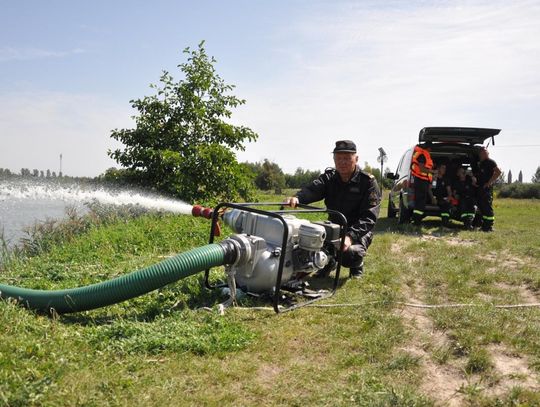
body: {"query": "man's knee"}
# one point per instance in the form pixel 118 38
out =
pixel 354 255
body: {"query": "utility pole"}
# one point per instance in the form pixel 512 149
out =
pixel 382 159
pixel 60 172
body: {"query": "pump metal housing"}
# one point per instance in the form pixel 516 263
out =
pixel 275 250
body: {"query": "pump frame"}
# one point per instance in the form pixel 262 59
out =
pixel 251 207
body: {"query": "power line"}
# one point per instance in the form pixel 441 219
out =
pixel 517 145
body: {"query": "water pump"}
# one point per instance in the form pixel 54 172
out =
pixel 275 250
pixel 310 247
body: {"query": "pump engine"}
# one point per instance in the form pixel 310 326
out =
pixel 260 242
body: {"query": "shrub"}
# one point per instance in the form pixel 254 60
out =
pixel 520 191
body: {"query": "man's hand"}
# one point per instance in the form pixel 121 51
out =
pixel 347 243
pixel 292 201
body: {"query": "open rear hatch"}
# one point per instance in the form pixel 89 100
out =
pixel 470 135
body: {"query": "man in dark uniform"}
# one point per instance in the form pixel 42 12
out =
pixel 463 189
pixel 487 174
pixel 441 192
pixel 352 192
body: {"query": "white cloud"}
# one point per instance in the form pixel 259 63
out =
pixel 35 127
pixel 379 74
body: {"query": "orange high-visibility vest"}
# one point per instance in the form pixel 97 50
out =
pixel 415 167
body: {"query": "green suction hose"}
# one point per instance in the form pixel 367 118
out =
pixel 120 288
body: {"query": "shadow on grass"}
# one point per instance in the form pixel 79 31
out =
pixel 188 295
pixel 429 226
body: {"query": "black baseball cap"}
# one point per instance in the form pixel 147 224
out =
pixel 345 146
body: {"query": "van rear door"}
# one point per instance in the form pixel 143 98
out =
pixel 469 135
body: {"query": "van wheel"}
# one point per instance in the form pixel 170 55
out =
pixel 392 212
pixel 404 213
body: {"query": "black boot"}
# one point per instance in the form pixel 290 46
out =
pixel 487 227
pixel 356 272
pixel 477 222
pixel 468 224
pixel 445 221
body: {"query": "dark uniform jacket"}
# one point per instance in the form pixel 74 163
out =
pixel 464 189
pixel 359 199
pixel 439 191
pixel 485 171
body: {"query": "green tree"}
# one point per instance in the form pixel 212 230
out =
pixel 268 176
pixel 536 176
pixel 182 144
pixel 376 172
pixel 300 178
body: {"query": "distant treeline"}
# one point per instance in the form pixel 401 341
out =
pixel 268 175
pixel 265 175
pixel 35 174
pixel 27 173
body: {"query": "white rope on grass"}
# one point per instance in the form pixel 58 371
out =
pixel 467 305
pixel 222 307
pixel 428 306
pixel 230 304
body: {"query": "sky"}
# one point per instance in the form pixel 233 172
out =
pixel 312 72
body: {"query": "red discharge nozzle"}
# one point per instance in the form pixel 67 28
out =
pixel 201 211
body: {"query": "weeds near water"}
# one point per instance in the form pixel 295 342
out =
pixel 5 253
pixel 42 236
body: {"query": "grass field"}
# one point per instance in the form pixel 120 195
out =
pixel 159 349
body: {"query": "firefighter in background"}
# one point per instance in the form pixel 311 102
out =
pixel 422 171
pixel 440 192
pixel 464 191
pixel 487 174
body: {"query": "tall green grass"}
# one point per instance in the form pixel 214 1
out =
pixel 163 349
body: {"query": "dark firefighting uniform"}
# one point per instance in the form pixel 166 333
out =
pixel 485 195
pixel 465 192
pixel 422 181
pixel 358 200
pixel 441 195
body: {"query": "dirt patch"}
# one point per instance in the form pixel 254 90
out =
pixel 452 241
pixel 441 382
pixel 430 238
pixel 527 295
pixel 396 247
pixel 456 241
pixel 504 260
pixel 485 297
pixel 267 373
pixel 513 370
